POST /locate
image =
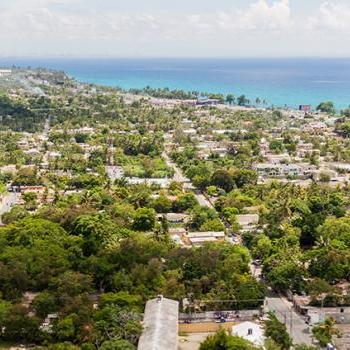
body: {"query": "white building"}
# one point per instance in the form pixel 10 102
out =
pixel 5 72
pixel 160 325
pixel 250 331
pixel 248 222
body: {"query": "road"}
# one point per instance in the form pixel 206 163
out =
pixel 296 326
pixel 180 177
pixel 203 201
pixel 7 202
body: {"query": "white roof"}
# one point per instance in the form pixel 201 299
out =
pixel 247 219
pixel 160 325
pixel 206 234
pixel 200 240
pixel 250 331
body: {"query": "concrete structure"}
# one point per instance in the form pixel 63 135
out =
pixel 199 238
pixel 5 72
pixel 248 222
pixel 250 331
pixel 278 170
pixel 160 325
pixel 175 218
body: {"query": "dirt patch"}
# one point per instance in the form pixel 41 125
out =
pixel 192 341
pixel 205 327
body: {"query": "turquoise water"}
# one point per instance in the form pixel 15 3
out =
pixel 280 81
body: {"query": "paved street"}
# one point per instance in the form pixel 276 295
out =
pixel 180 177
pixel 203 201
pixel 296 326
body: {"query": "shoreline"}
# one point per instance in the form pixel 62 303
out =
pixel 280 84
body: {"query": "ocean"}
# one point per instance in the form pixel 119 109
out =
pixel 281 82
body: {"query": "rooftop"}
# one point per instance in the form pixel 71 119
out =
pixel 160 325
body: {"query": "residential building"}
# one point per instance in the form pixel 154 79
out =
pixel 250 331
pixel 160 325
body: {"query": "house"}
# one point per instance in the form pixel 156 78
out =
pixel 160 325
pixel 161 182
pixel 190 131
pixel 278 158
pixel 248 222
pixel 250 331
pixel 199 238
pixel 305 108
pixel 316 314
pixel 175 218
pixel 177 234
pixel 315 127
pixel 204 101
pixel 278 170
pixel 5 72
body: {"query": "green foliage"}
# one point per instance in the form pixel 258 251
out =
pixel 326 107
pixel 325 331
pixel 204 218
pixel 223 179
pixel 121 299
pixel 277 331
pixel 221 340
pixel 44 304
pixel 118 344
pixel 144 219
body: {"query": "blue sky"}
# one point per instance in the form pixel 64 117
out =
pixel 163 28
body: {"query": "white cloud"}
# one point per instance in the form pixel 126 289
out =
pixel 261 27
pixel 331 16
pixel 259 16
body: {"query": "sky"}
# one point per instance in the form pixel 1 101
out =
pixel 176 28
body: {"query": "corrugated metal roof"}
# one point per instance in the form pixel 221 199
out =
pixel 160 325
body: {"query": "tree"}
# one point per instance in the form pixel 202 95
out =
pixel 230 99
pixel 44 304
pixel 117 344
pixel 213 225
pixel 325 331
pixel 287 275
pixel 162 204
pixel 244 177
pixel 344 129
pixel 325 177
pixel 19 325
pixel 326 107
pixel 122 300
pixel 222 341
pixel 144 219
pixel 304 347
pixel 113 323
pixel 277 331
pixel 202 217
pixel 242 100
pixel 65 328
pixel 185 202
pixel 16 213
pixel 97 230
pixel 71 283
pixel 276 146
pixel 223 179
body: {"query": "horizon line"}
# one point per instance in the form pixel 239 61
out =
pixel 24 57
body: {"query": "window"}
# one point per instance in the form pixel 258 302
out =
pixel 250 331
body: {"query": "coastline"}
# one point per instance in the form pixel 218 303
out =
pixel 286 82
